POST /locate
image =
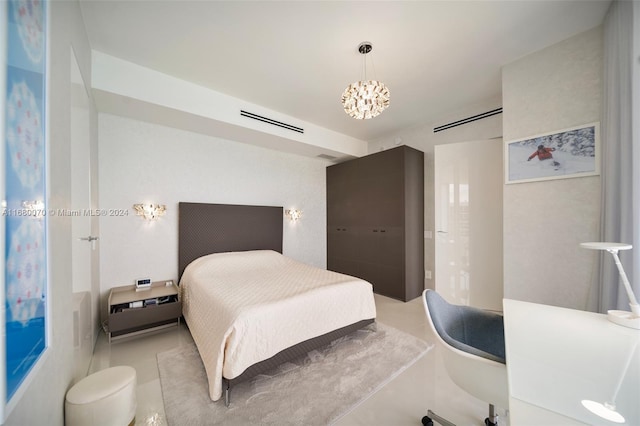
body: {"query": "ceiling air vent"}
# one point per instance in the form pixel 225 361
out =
pixel 327 157
pixel 271 121
pixel 467 120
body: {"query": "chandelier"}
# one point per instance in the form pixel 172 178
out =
pixel 365 99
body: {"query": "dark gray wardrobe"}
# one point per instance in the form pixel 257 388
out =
pixel 375 220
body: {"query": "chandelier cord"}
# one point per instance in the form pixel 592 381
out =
pixel 373 65
pixel 364 66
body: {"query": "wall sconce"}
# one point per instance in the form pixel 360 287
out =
pixel 150 211
pixel 293 214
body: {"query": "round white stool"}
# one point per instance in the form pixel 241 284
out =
pixel 107 397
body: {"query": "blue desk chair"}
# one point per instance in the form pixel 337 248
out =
pixel 473 350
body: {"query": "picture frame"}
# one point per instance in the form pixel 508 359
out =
pixel 24 286
pixel 561 154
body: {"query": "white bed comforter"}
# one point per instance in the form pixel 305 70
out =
pixel 245 307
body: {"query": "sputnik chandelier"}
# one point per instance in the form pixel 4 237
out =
pixel 365 99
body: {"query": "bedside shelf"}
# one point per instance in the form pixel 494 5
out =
pixel 133 311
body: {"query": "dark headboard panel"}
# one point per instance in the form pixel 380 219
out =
pixel 214 228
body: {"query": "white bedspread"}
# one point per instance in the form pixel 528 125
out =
pixel 245 307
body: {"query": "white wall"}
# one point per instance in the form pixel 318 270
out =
pixel 143 162
pixel 130 90
pixel 43 400
pixel 555 88
pixel 422 137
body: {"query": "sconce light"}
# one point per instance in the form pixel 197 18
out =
pixel 150 211
pixel 293 214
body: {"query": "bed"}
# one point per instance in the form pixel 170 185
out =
pixel 248 307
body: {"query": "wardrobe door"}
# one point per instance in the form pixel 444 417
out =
pixel 342 218
pixel 414 223
pixel 342 184
pixel 386 267
pixel 387 200
pixel 383 194
pixel 386 280
pixel 382 244
pixel 344 253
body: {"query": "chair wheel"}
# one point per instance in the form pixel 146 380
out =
pixel 488 422
pixel 426 421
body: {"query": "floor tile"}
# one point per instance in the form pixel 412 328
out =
pixel 402 401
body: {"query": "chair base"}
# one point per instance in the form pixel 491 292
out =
pixel 431 417
pixel 428 420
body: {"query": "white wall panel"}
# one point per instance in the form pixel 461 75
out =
pixel 43 399
pixel 555 88
pixel 468 219
pixel 423 138
pixel 142 162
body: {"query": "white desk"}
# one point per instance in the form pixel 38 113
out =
pixel 557 357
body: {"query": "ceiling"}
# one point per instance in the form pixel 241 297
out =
pixel 297 57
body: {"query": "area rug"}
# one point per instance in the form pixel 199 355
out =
pixel 316 389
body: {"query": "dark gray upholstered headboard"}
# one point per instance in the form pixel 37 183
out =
pixel 214 228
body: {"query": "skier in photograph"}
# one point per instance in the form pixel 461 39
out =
pixel 544 154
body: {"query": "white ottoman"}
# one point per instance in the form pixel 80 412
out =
pixel 107 397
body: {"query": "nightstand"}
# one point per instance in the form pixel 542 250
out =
pixel 134 310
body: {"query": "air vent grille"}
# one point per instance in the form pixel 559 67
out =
pixel 271 121
pixel 327 157
pixel 467 120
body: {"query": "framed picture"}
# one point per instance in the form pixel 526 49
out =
pixel 24 326
pixel 562 154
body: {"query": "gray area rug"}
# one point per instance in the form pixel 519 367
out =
pixel 316 389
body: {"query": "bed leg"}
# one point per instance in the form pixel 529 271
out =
pixel 227 395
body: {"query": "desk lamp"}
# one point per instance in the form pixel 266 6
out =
pixel 608 409
pixel 624 318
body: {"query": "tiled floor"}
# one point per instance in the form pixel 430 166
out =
pixel 403 401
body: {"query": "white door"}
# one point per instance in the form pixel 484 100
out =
pixel 80 181
pixel 83 241
pixel 468 219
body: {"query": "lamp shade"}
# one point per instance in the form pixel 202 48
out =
pixel 606 246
